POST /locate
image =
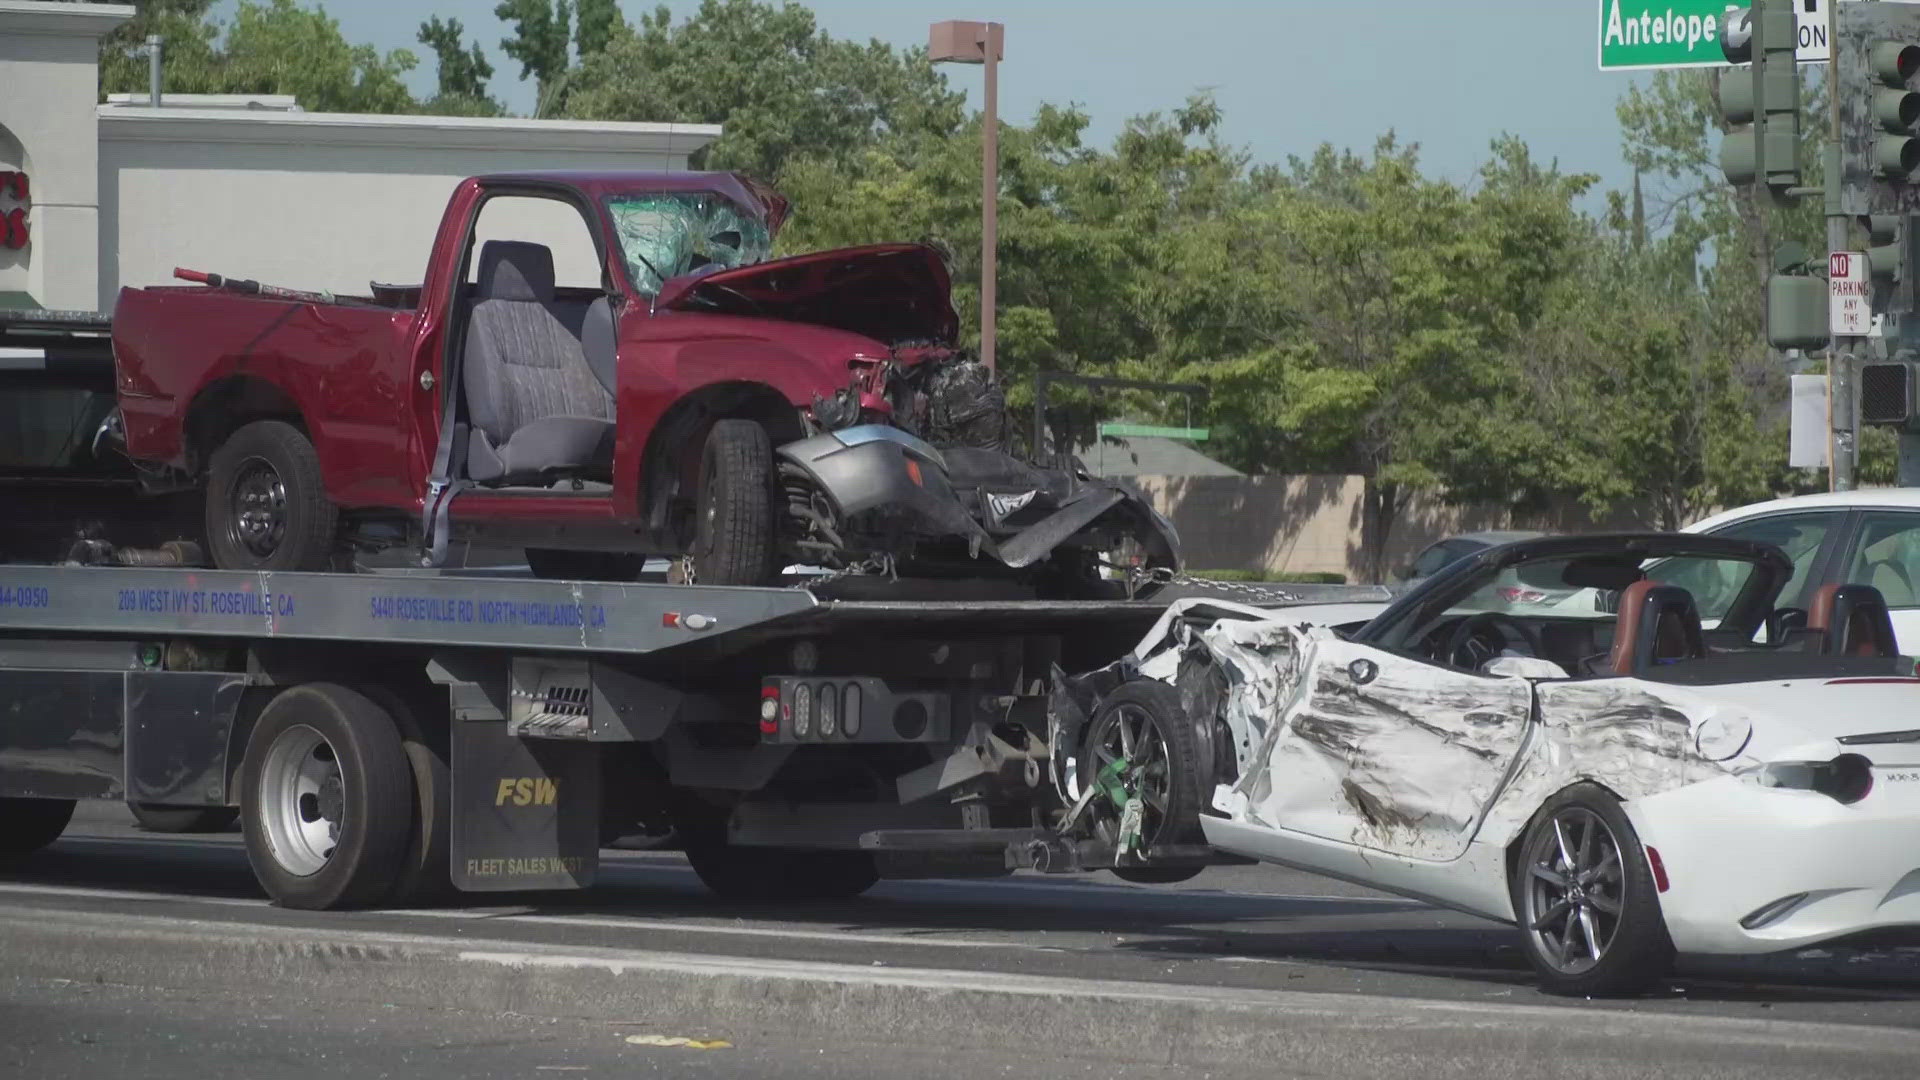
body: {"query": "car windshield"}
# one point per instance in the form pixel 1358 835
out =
pixel 1584 587
pixel 665 234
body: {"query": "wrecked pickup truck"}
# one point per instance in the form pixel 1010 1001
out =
pixel 604 367
pixel 1659 760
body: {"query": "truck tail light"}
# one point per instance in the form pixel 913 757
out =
pixel 770 710
pixel 850 713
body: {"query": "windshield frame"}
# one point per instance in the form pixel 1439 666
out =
pixel 1393 628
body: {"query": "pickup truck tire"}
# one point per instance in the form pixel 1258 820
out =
pixel 553 564
pixel 27 825
pixel 734 542
pixel 161 818
pixel 326 798
pixel 267 507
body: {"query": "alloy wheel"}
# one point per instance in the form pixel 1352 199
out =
pixel 1575 890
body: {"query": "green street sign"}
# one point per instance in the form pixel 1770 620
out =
pixel 1638 34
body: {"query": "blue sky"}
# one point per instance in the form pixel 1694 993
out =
pixel 1290 74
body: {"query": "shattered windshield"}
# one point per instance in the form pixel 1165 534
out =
pixel 663 235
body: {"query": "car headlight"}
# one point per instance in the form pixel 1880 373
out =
pixel 1846 779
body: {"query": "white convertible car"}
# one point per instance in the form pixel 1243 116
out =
pixel 1661 760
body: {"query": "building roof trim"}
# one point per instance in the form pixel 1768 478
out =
pixel 126 123
pixel 61 20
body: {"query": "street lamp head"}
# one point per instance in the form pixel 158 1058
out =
pixel 959 41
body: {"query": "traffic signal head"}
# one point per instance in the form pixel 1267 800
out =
pixel 1765 95
pixel 1876 64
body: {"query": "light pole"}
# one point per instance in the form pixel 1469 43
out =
pixel 961 42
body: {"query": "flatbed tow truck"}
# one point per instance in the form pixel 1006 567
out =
pixel 389 737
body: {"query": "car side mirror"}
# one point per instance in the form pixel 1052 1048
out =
pixel 1784 621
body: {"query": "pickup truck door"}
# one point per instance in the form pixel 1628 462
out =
pixel 1385 752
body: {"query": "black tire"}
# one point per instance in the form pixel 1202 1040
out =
pixel 1179 782
pixel 268 468
pixel 1632 944
pixel 734 542
pixel 345 841
pixel 161 818
pixel 421 715
pixel 758 875
pixel 555 565
pixel 27 825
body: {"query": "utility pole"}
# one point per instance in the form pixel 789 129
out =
pixel 1843 448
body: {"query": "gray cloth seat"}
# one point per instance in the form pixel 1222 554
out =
pixel 537 406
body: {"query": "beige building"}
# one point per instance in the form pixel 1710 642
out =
pixel 120 192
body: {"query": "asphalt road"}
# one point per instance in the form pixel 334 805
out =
pixel 1358 963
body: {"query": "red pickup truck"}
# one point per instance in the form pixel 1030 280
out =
pixel 671 392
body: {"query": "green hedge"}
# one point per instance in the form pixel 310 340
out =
pixel 1316 577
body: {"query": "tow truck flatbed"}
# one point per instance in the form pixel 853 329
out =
pixel 384 735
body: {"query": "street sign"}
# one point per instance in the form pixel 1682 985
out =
pixel 1849 304
pixel 1638 34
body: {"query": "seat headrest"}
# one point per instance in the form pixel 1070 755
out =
pixel 1656 624
pixel 1853 620
pixel 515 270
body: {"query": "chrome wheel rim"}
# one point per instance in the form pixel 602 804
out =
pixel 1575 891
pixel 257 508
pixel 1127 758
pixel 302 800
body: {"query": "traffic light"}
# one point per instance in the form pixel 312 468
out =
pixel 1876 59
pixel 1764 97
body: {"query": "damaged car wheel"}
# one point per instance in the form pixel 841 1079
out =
pixel 733 542
pixel 1584 895
pixel 1141 757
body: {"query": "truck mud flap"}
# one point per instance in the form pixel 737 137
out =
pixel 526 813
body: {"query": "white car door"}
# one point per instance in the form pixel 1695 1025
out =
pixel 1388 753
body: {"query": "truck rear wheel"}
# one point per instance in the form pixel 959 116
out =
pixel 161 818
pixel 267 506
pixel 27 825
pixel 733 541
pixel 326 798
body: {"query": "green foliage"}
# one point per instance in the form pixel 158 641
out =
pixel 781 86
pixel 542 32
pixel 596 22
pixel 269 48
pixel 463 71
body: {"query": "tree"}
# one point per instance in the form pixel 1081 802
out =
pixel 280 48
pixel 269 48
pixel 188 60
pixel 595 24
pixel 782 87
pixel 541 36
pixel 463 71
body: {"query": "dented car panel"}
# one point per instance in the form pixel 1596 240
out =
pixel 1405 772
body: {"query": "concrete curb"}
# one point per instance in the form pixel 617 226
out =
pixel 713 996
